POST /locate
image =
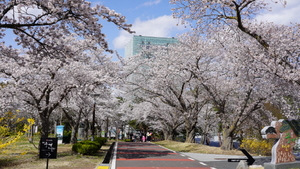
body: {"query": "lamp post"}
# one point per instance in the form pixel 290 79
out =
pixel 93 122
pixel 94 111
pixel 106 128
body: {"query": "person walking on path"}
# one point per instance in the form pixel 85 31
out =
pixel 143 138
pixel 149 136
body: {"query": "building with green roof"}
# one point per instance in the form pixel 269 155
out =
pixel 138 43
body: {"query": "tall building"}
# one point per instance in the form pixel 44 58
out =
pixel 137 43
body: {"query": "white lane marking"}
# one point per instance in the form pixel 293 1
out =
pixel 167 148
pixel 202 163
pixel 191 159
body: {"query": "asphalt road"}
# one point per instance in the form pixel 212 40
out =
pixel 132 155
pixel 136 155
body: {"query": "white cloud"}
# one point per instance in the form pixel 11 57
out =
pixel 30 12
pixel 151 3
pixel 163 26
pixel 282 14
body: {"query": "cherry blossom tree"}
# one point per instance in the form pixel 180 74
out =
pixel 44 83
pixel 165 119
pixel 277 45
pixel 157 116
pixel 76 108
pixel 235 13
pixel 206 70
pixel 62 46
pixel 207 124
pixel 79 107
pixel 161 75
pixel 35 23
pixel 238 83
pixel 273 48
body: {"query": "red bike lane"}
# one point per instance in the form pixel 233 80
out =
pixel 136 155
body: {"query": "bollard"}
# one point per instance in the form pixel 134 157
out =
pixel 242 165
pixel 256 167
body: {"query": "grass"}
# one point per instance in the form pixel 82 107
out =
pixel 24 155
pixel 196 148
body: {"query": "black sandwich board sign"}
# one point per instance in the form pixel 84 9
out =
pixel 48 148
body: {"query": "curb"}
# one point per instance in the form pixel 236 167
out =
pixel 108 160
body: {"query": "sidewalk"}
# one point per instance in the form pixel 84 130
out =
pixel 132 155
pixel 219 161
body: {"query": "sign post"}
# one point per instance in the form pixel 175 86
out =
pixel 48 149
pixel 60 133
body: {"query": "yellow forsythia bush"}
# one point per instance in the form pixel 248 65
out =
pixel 6 140
pixel 258 147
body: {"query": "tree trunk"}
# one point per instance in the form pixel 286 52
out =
pixel 190 135
pixel 74 134
pixel 220 139
pixel 204 139
pixel 190 127
pixel 74 123
pixel 227 143
pixel 86 129
pixel 99 131
pixel 45 124
pixel 168 135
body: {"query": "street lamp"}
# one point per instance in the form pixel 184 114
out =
pixel 94 110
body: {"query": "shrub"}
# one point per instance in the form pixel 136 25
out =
pixel 100 140
pixel 7 137
pixel 127 140
pixel 86 147
pixel 259 147
pixel 67 133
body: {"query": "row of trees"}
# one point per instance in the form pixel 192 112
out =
pixel 59 62
pixel 229 74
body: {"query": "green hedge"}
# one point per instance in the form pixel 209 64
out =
pixel 89 147
pixel 100 140
pixel 86 147
pixel 127 140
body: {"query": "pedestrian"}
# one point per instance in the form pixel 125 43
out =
pixel 141 135
pixel 131 137
pixel 143 138
pixel 149 136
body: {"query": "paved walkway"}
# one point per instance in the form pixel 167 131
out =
pixel 132 155
pixel 129 155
